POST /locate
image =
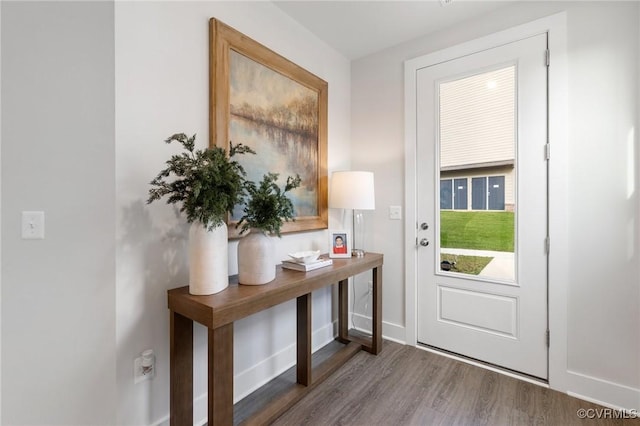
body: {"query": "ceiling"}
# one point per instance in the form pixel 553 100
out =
pixel 359 28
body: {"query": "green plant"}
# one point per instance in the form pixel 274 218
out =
pixel 207 183
pixel 268 206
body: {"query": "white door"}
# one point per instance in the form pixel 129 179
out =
pixel 482 274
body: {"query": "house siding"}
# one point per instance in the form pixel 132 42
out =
pixel 477 121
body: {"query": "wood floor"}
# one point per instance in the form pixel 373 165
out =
pixel 408 386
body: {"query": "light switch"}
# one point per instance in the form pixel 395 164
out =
pixel 33 225
pixel 395 212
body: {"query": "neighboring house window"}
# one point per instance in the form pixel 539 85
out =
pixel 487 193
pixel 446 194
pixel 479 193
pixel 460 194
pixel 495 193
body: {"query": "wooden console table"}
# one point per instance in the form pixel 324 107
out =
pixel 218 312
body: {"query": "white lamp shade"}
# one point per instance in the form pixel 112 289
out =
pixel 352 190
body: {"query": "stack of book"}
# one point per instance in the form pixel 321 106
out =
pixel 301 266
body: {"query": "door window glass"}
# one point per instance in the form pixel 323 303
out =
pixel 477 146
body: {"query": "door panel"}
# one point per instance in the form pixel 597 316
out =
pixel 500 317
pixel 481 111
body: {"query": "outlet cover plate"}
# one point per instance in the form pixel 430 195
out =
pixel 395 212
pixel 138 375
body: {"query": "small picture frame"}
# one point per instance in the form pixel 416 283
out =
pixel 339 243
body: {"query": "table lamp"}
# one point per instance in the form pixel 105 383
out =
pixel 353 190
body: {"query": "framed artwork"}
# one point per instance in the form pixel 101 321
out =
pixel 262 100
pixel 339 243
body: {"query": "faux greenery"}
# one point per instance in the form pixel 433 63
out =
pixel 207 183
pixel 268 206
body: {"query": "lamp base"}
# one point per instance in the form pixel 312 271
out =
pixel 357 253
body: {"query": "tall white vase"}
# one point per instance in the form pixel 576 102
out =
pixel 208 254
pixel 256 258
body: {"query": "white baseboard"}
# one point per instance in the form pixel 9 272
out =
pixel 259 374
pixel 390 331
pixel 603 392
pixel 162 422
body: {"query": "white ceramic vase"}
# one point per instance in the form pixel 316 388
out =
pixel 256 258
pixel 208 264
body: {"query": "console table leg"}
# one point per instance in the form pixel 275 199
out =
pixel 376 338
pixel 303 326
pixel 181 370
pixel 343 311
pixel 220 375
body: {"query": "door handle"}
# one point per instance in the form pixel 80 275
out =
pixel 424 242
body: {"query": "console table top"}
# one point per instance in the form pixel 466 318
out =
pixel 239 301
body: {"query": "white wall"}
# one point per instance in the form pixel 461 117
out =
pixel 604 280
pixel 58 294
pixel 162 88
pixel 604 317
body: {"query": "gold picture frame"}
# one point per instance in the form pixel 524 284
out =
pixel 263 100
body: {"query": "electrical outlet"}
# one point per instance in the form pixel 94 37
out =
pixel 144 367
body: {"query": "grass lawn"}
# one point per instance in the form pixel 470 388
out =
pixel 477 230
pixel 471 265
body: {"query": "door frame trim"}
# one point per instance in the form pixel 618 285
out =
pixel 557 281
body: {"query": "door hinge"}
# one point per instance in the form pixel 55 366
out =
pixel 547 57
pixel 548 337
pixel 547 151
pixel 547 244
